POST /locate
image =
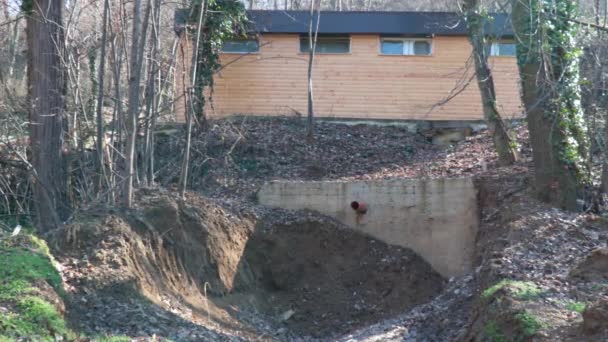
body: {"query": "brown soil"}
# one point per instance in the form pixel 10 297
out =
pixel 533 250
pixel 326 278
pixel 335 279
pixel 595 317
pixel 237 155
pixel 594 268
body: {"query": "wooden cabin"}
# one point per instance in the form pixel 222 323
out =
pixel 368 65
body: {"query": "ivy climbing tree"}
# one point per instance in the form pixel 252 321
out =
pixel 548 64
pixel 216 21
pixel 221 20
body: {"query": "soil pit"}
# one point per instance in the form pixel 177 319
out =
pixel 245 277
pixel 334 280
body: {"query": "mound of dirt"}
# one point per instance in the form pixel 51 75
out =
pixel 335 279
pixel 594 268
pixel 595 317
pixel 195 262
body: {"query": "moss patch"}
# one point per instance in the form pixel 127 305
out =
pixel 529 323
pixel 111 339
pixel 35 317
pixel 523 290
pixel 493 332
pixel 20 266
pixel 24 261
pixel 576 306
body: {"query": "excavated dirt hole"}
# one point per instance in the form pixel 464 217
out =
pixel 334 280
pixel 311 276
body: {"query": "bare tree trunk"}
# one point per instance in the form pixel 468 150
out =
pixel 133 108
pixel 152 96
pixel 599 88
pixel 149 100
pixel 13 49
pixel 183 180
pixel 46 80
pixel 191 97
pixel 250 4
pixel 312 45
pixel 476 23
pixel 100 121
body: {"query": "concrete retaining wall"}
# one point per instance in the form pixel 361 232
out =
pixel 438 219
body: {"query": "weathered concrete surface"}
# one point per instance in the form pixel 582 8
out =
pixel 438 219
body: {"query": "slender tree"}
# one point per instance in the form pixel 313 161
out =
pixel 133 109
pixel 476 18
pixel 312 47
pixel 136 64
pixel 152 95
pixel 100 80
pixel 183 180
pixel 46 83
pixel 548 66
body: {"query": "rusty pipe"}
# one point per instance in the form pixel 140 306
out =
pixel 359 207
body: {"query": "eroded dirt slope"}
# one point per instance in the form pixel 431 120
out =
pixel 194 270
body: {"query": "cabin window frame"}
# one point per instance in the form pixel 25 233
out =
pixel 326 38
pixel 407 41
pixel 495 48
pixel 243 52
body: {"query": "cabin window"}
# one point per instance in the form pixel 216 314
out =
pixel 502 48
pixel 241 46
pixel 400 46
pixel 327 45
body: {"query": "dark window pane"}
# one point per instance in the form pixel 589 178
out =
pixel 507 49
pixel 241 46
pixel 422 48
pixel 327 45
pixel 304 47
pixel 391 47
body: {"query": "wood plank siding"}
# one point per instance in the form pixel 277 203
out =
pixel 361 84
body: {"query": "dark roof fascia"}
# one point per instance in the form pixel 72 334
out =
pixel 355 23
pixel 406 23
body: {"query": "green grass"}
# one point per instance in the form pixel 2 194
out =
pixel 24 261
pixel 35 317
pixel 529 323
pixel 493 332
pixel 22 265
pixel 10 290
pixel 576 306
pixel 111 339
pixel 523 290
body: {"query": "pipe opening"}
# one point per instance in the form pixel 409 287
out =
pixel 359 207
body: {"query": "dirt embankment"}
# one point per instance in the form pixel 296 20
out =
pixel 540 269
pixel 235 156
pixel 205 272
